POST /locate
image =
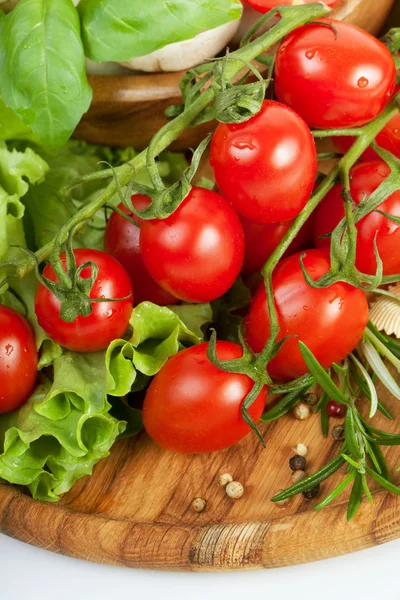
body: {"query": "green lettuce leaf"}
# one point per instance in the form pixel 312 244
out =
pixel 42 67
pixel 51 442
pixel 158 333
pixel 18 170
pixel 118 30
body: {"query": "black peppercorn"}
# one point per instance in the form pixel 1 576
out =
pixel 297 463
pixel 312 492
pixel 311 399
pixel 338 433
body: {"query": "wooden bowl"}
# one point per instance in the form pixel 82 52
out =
pixel 128 110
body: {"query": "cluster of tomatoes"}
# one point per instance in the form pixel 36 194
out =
pixel 327 75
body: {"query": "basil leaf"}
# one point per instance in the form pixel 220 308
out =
pixel 43 68
pixel 119 30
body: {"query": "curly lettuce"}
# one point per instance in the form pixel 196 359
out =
pixel 73 418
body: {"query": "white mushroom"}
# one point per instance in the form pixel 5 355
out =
pixel 181 56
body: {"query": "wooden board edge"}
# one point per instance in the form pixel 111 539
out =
pixel 283 541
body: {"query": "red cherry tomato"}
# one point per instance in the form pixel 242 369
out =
pixel 121 240
pixel 388 138
pixel 330 321
pixel 262 239
pixel 364 179
pixel 263 6
pixel 108 320
pixel 342 80
pixel 192 406
pixel 18 360
pixel 265 167
pixel 197 252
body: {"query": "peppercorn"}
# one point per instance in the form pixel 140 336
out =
pixel 312 492
pixel 224 479
pixel 234 490
pixel 199 504
pixel 311 399
pixel 297 463
pixel 301 449
pixel 338 433
pixel 301 411
pixel 335 409
pixel 298 476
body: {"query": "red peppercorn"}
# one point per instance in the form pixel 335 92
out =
pixel 334 409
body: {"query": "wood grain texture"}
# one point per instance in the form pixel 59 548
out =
pixel 136 510
pixel 129 110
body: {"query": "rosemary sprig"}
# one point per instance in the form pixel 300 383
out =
pixel 361 448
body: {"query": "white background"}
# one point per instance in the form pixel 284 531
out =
pixel 27 573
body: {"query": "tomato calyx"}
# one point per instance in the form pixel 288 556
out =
pixel 248 365
pixel 164 200
pixel 344 237
pixel 72 289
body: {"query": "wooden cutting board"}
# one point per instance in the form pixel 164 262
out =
pixel 136 510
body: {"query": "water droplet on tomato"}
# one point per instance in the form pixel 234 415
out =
pixel 109 313
pixel 395 131
pixel 311 53
pixel 305 307
pixel 9 349
pixel 244 144
pixel 362 82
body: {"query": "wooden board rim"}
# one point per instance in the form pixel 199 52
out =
pixel 211 547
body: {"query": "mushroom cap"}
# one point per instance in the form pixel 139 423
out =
pixel 181 56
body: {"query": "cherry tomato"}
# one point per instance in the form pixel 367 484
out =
pixel 263 6
pixel 330 321
pixel 197 252
pixel 262 239
pixel 265 167
pixel 364 179
pixel 334 79
pixel 18 360
pixel 108 320
pixel 121 240
pixel 192 406
pixel 388 138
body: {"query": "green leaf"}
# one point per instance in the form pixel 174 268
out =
pixel 158 333
pixel 43 68
pixel 355 497
pixel 47 210
pixel 18 170
pixel 118 30
pixel 390 487
pixel 58 435
pixel 11 126
pixel 324 415
pixel 285 404
pixel 326 471
pixel 350 433
pixel 336 492
pixel 321 376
